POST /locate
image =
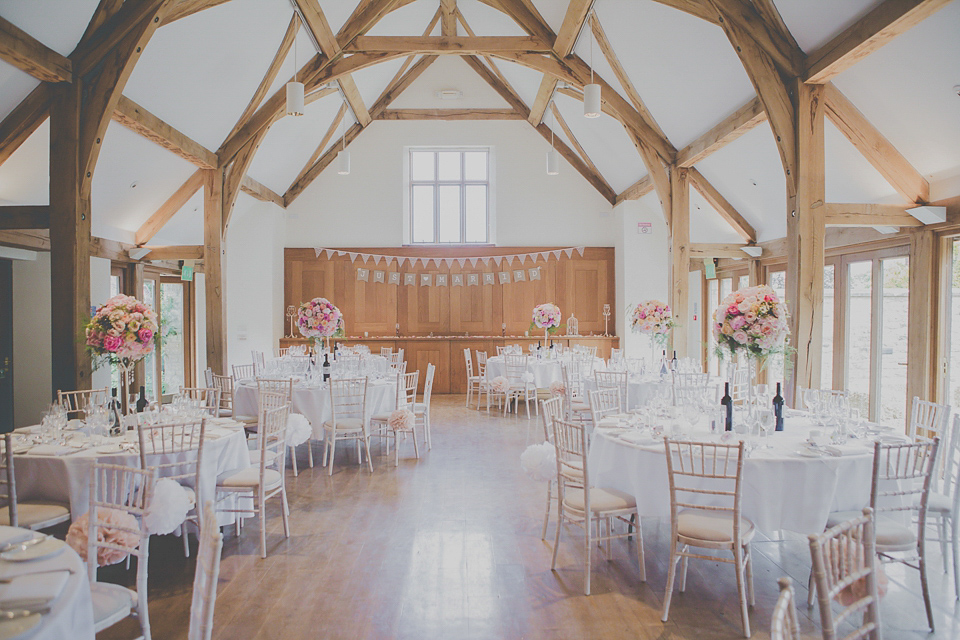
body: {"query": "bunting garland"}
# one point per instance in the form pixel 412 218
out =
pixel 520 257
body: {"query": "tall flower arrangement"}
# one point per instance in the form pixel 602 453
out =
pixel 122 331
pixel 319 318
pixel 546 316
pixel 751 321
pixel 653 318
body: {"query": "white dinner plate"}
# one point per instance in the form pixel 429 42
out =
pixel 19 627
pixel 48 548
pixel 110 448
pixel 610 431
pixel 809 453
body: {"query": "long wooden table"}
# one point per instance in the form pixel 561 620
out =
pixel 446 352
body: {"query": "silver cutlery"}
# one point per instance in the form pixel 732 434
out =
pixel 14 614
pixel 10 579
pixel 24 544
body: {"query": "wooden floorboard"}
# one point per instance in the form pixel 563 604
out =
pixel 449 546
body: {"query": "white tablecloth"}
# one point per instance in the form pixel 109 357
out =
pixel 781 489
pixel 71 613
pixel 314 402
pixel 66 478
pixel 544 371
pixel 640 391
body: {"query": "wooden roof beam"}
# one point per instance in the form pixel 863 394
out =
pixel 172 252
pixel 23 51
pixel 25 118
pixel 183 8
pixel 331 130
pixel 139 120
pixel 441 45
pixel 525 14
pixel 168 209
pixel 732 127
pixel 449 114
pixel 261 192
pixel 868 215
pixel 367 14
pixel 881 25
pixel 573 19
pixel 16 216
pixel 573 139
pixel 637 190
pixel 722 206
pixel 717 250
pixel 872 144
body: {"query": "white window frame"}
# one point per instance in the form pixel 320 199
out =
pixel 436 183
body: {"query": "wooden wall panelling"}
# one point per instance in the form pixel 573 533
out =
pixel 519 298
pixel 422 310
pixel 458 367
pixel 476 310
pixel 420 353
pixel 372 306
pixel 585 286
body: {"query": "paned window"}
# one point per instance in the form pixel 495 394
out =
pixel 450 196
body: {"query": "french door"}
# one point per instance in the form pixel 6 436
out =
pixel 170 366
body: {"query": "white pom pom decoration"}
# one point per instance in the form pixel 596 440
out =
pixel 401 420
pixel 168 508
pixel 527 376
pixel 557 388
pixel 539 461
pixel 298 429
pixel 499 384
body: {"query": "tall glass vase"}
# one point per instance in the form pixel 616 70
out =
pixel 125 370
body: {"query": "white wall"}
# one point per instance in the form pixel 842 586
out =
pixel 32 378
pixel 643 265
pixel 200 317
pixel 365 208
pixel 254 274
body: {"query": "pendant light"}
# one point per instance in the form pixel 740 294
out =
pixel 343 156
pixel 553 157
pixel 295 100
pixel 591 92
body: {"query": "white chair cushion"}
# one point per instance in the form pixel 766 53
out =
pixel 346 424
pixel 420 407
pixel 891 533
pixel 579 406
pixel 711 526
pixel 226 413
pixel 381 417
pixel 111 603
pixel 600 500
pixel 251 478
pixel 939 503
pixel 247 420
pixel 30 514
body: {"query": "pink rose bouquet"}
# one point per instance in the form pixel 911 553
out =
pixel 752 321
pixel 653 318
pixel 319 318
pixel 547 316
pixel 122 331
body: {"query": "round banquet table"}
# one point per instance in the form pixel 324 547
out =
pixel 782 490
pixel 71 608
pixel 314 401
pixel 640 390
pixel 544 371
pixel 62 473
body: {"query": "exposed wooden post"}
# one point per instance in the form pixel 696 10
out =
pixel 213 271
pixel 680 257
pixel 753 271
pixel 921 339
pixel 805 251
pixel 134 283
pixel 69 243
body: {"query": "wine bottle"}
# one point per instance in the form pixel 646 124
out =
pixel 778 408
pixel 674 362
pixel 727 402
pixel 663 363
pixel 142 400
pixel 115 420
pixel 326 367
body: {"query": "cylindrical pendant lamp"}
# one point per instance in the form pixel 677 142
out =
pixel 343 163
pixel 591 100
pixel 294 98
pixel 553 162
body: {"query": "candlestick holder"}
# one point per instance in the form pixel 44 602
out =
pixel 291 314
pixel 606 320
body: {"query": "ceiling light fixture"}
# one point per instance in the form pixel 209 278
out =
pixel 450 94
pixel 343 156
pixel 295 89
pixel 553 158
pixel 591 92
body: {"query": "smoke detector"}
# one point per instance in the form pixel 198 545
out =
pixel 449 94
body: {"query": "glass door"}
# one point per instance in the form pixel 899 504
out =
pixel 951 326
pixel 859 335
pixel 892 365
pixel 168 368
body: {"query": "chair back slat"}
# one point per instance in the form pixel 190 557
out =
pixel 707 476
pixel 603 403
pixel 124 489
pixel 844 568
pixel 785 625
pixel 950 452
pixel 243 372
pixel 469 363
pixel 614 380
pixel 428 383
pixel 276 385
pixel 481 363
pixel 76 402
pixel 8 480
pixel 407 389
pixel 165 439
pixel 205 577
pixel 902 475
pixel 273 431
pixel 348 398
pixel 551 410
pixel 515 366
pixel 386 351
pixel 225 385
pixel 570 440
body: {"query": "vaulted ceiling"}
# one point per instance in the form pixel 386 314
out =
pixel 675 74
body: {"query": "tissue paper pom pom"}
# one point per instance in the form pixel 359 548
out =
pixel 168 507
pixel 401 420
pixel 540 461
pixel 557 388
pixel 527 376
pixel 298 429
pixel 77 536
pixel 499 384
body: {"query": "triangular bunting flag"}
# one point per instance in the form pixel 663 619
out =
pixel 364 257
pixel 341 253
pixel 569 252
pixel 544 256
pixel 497 260
pixel 376 260
pixel 330 253
pixel 556 254
pixel 461 261
pixel 473 261
pixel 318 251
pixel 580 251
pixel 353 256
pixel 449 262
pixel 485 260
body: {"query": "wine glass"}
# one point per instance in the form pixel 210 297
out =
pixel 766 420
pixel 691 413
pixel 762 394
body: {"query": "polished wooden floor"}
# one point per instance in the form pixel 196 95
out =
pixel 449 546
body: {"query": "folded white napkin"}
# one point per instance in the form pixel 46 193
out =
pixel 609 421
pixel 51 450
pixel 218 432
pixel 41 587
pixel 638 438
